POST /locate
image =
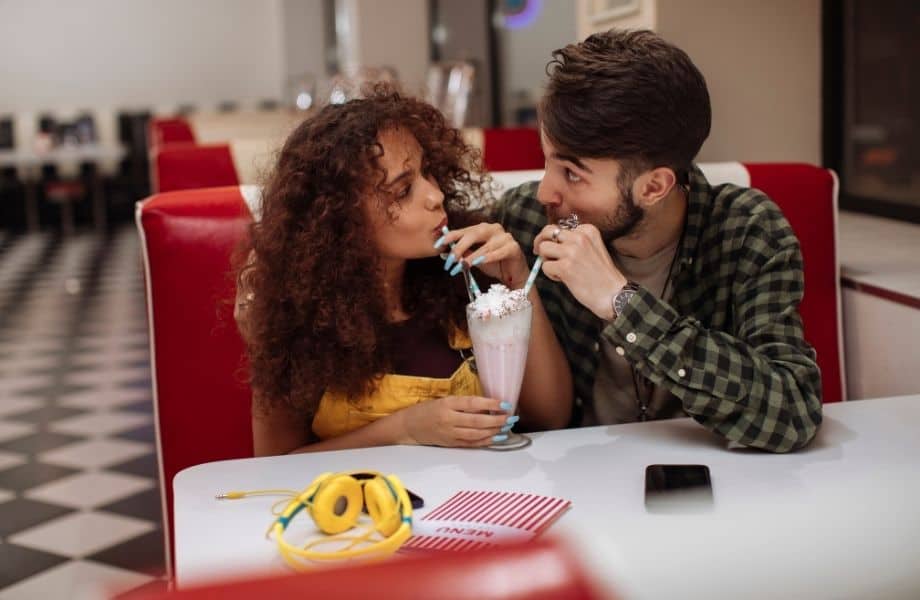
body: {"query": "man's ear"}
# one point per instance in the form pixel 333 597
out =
pixel 654 185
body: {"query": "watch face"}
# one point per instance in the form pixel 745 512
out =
pixel 622 299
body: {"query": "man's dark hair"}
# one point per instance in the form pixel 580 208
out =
pixel 626 95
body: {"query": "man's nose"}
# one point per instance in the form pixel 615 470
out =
pixel 547 194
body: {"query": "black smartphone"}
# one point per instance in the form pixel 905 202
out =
pixel 678 488
pixel 415 499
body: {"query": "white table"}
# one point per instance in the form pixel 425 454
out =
pixel 30 163
pixel 840 519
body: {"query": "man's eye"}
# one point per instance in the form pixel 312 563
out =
pixel 571 177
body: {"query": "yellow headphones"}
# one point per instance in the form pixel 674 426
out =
pixel 335 501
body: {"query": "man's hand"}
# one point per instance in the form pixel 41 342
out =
pixel 579 259
pixel 459 421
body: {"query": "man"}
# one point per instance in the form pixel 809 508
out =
pixel 671 297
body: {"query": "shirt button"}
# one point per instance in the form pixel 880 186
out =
pixel 681 373
pixel 596 346
pixel 620 351
pixel 631 337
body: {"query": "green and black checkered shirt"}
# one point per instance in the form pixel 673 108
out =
pixel 729 344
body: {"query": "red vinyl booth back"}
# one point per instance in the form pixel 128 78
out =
pixel 168 131
pixel 807 196
pixel 512 149
pixel 192 166
pixel 202 402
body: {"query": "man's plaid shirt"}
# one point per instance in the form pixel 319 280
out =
pixel 729 344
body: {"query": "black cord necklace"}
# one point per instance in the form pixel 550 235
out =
pixel 639 380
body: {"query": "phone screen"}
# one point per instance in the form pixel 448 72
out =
pixel 678 488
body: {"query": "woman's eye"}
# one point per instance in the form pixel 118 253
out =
pixel 404 192
pixel 571 176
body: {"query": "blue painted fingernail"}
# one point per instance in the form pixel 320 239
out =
pixel 512 420
pixel 501 437
pixel 440 241
pixel 505 406
pixel 457 268
pixel 478 261
pixel 507 428
pixel 450 260
pixel 445 230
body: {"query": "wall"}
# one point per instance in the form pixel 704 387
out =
pixel 525 52
pixel 303 39
pixel 646 17
pixel 114 53
pixel 881 346
pixel 392 33
pixel 762 63
pixel 466 28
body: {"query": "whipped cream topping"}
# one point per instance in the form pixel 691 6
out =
pixel 498 302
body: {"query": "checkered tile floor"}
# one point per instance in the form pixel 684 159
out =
pixel 79 497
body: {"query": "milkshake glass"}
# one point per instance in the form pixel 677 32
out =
pixel 499 323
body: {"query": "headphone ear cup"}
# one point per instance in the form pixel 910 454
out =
pixel 336 504
pixel 382 506
pixel 311 489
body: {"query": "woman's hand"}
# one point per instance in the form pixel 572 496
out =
pixel 460 421
pixel 490 248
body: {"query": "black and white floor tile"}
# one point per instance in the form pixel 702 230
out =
pixel 79 498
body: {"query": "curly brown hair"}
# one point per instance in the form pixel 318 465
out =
pixel 317 320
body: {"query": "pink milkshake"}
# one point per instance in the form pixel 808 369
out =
pixel 499 323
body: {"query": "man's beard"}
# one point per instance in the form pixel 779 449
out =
pixel 626 219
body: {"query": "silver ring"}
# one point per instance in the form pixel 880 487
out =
pixel 556 233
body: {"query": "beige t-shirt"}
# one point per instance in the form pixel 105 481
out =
pixel 615 398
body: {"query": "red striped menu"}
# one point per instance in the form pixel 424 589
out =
pixel 471 520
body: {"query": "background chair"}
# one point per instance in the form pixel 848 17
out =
pixel 169 131
pixel 12 192
pixel 192 166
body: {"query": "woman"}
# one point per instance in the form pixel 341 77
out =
pixel 354 330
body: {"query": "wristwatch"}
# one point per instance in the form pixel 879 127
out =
pixel 622 298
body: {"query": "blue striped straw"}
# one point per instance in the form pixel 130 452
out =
pixel 569 222
pixel 533 274
pixel 471 284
